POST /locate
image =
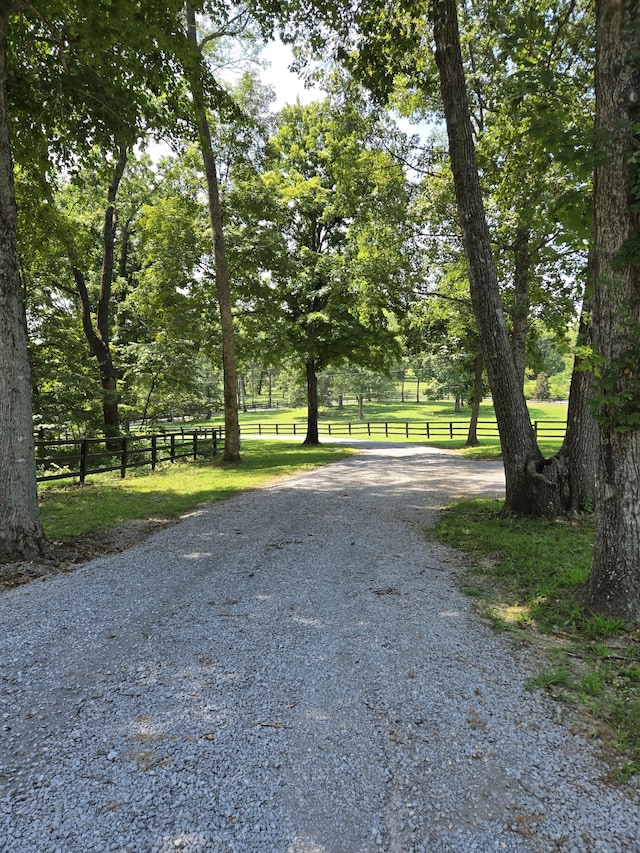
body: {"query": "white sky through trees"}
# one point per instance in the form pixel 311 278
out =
pixel 287 85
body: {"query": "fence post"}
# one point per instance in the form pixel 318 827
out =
pixel 123 457
pixel 276 429
pixel 195 444
pixel 214 441
pixel 535 428
pixel 406 429
pixel 368 427
pixel 294 429
pixel 428 436
pixel 450 429
pixel 172 451
pixel 84 449
pixel 349 427
pixel 386 428
pixel 154 452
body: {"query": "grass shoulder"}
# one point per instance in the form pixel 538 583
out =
pixel 525 576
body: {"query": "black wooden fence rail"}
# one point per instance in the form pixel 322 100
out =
pixel 82 457
pixel 406 429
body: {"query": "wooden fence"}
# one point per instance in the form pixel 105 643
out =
pixel 79 458
pixel 405 429
pixel 82 457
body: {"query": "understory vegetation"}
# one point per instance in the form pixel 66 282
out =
pixel 526 577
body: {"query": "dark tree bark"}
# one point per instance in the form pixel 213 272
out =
pixel 312 437
pixel 613 587
pixel 476 399
pixel 99 337
pixel 521 300
pixel 531 487
pixel 21 532
pixel 223 289
pixel 580 441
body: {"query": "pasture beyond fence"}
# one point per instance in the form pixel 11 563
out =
pixel 404 429
pixel 79 458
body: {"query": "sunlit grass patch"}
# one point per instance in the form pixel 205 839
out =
pixel 173 489
pixel 526 578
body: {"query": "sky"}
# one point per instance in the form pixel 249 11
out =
pixel 287 85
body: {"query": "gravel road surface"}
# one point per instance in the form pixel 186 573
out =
pixel 289 671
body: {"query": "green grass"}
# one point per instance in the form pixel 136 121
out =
pixel 173 489
pixel 432 411
pixel 526 578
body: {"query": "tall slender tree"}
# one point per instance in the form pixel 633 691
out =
pixel 223 288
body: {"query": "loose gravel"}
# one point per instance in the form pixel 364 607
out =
pixel 289 671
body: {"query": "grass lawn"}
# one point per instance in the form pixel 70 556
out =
pixel 526 579
pixel 106 500
pixel 432 411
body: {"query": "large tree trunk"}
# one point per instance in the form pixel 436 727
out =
pixel 532 487
pixel 20 527
pixel 223 290
pixel 613 587
pixel 313 436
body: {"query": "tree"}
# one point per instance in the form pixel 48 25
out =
pixel 362 384
pixel 530 103
pixel 385 45
pixel 613 586
pixel 98 335
pixel 197 71
pixel 20 526
pixel 542 390
pixel 70 78
pixel 528 489
pixel 167 324
pixel 337 201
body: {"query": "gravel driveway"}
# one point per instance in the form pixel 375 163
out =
pixel 290 670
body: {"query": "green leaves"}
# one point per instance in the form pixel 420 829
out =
pixel 335 204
